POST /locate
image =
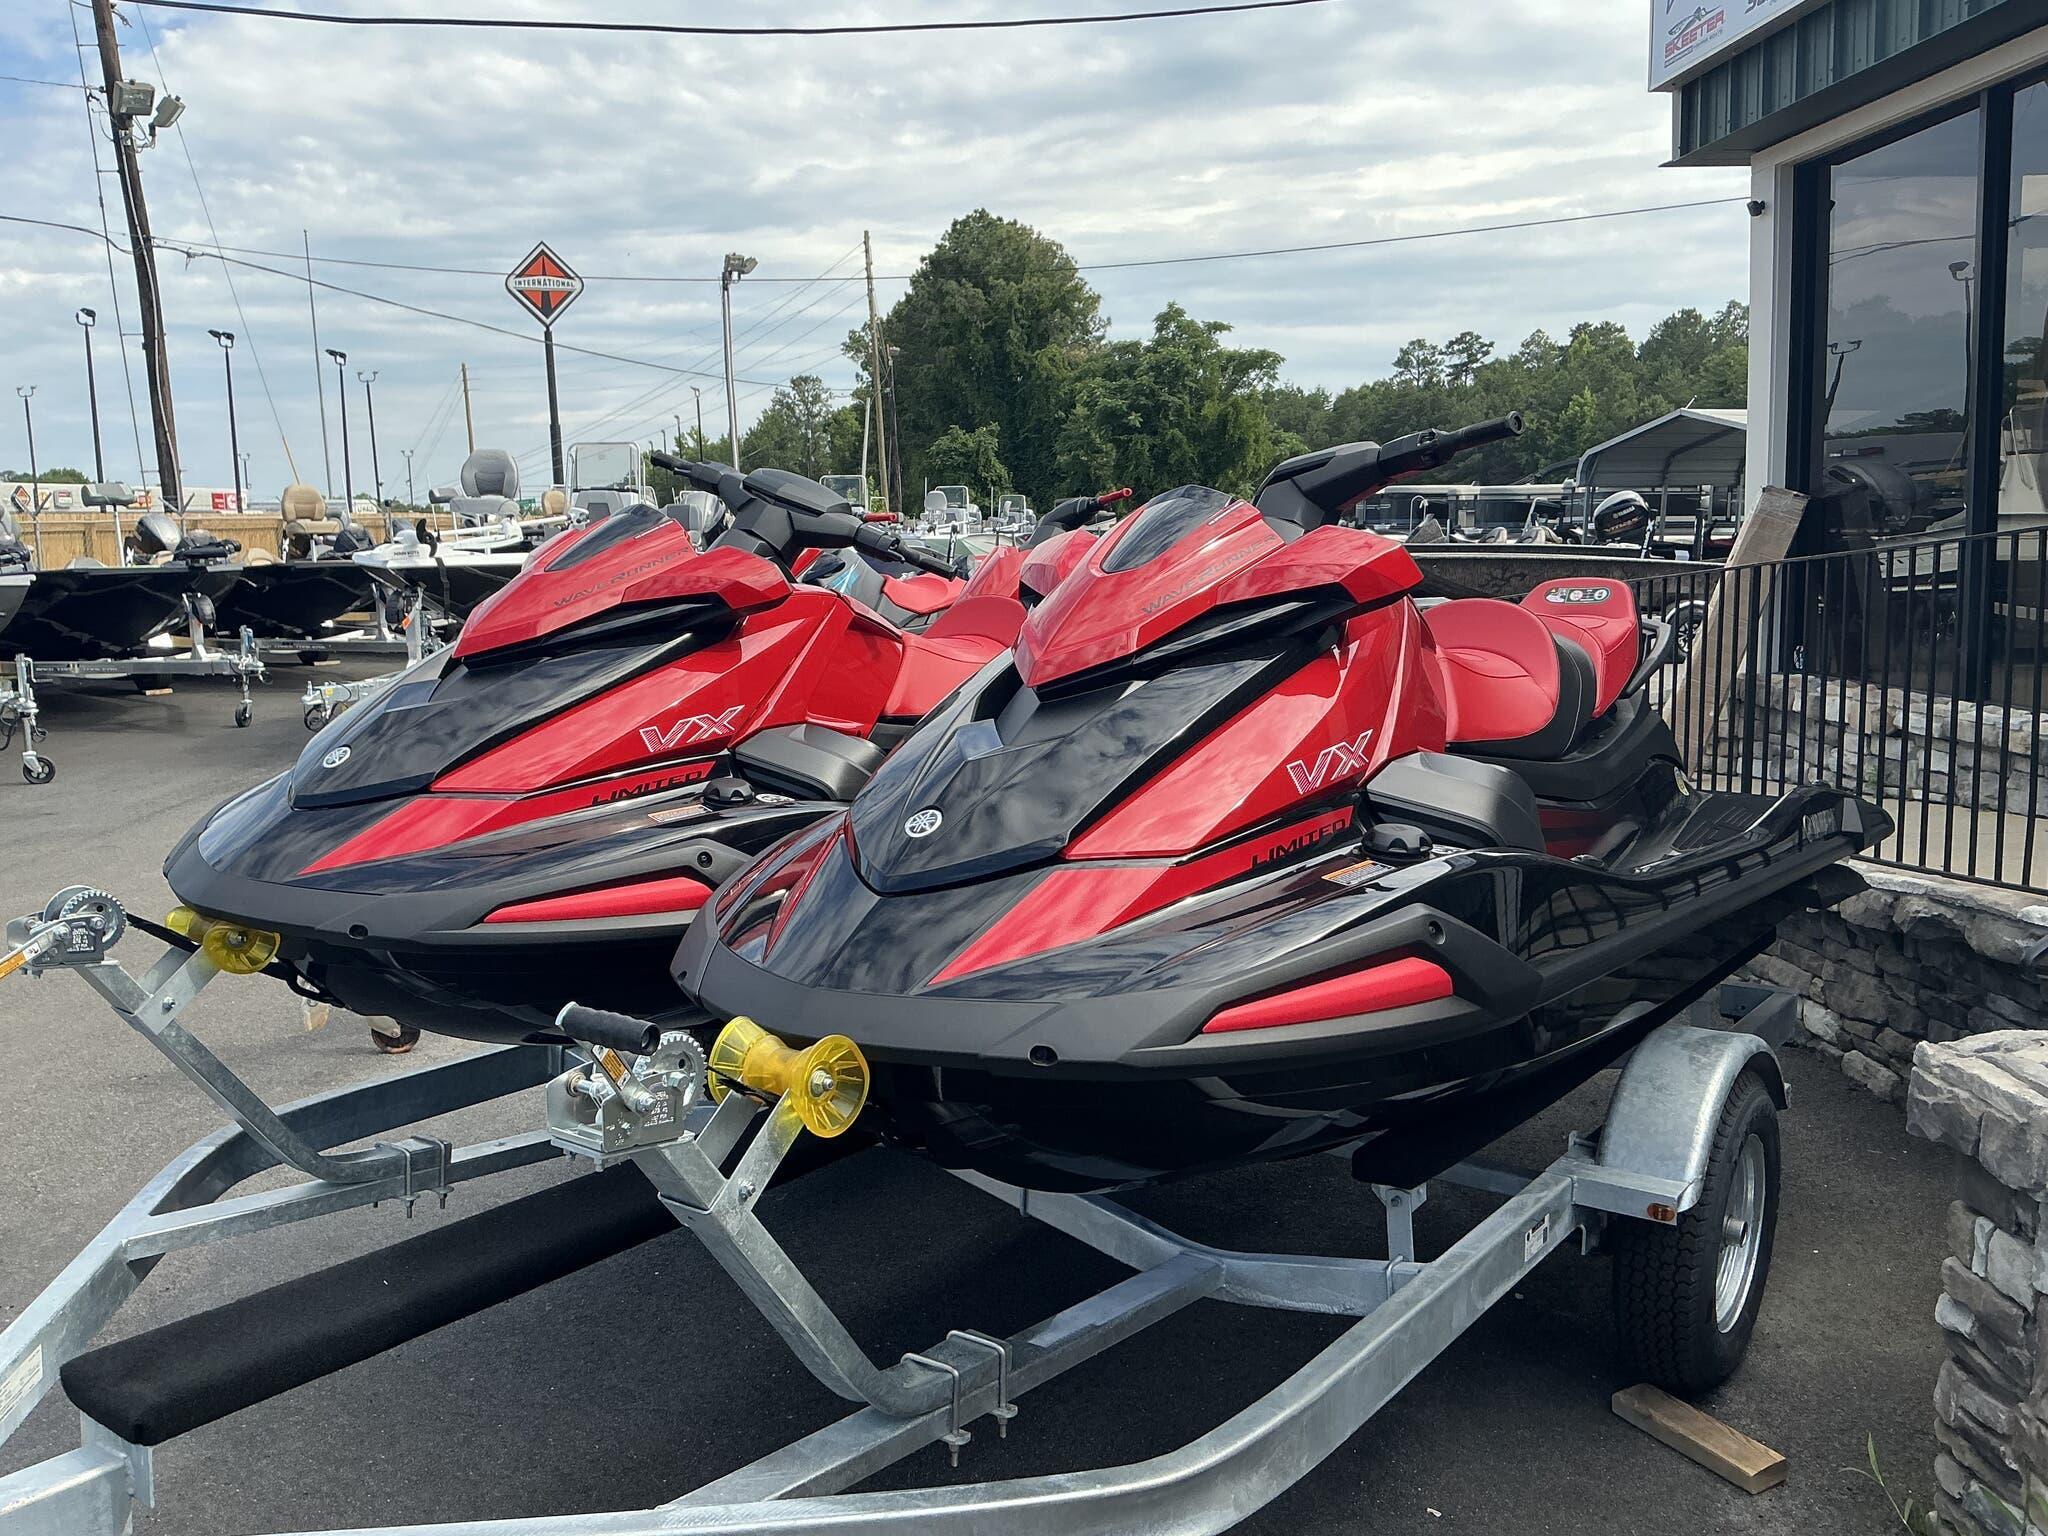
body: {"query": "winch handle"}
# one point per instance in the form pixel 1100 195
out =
pixel 600 1026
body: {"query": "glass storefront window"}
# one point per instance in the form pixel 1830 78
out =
pixel 1902 291
pixel 2020 604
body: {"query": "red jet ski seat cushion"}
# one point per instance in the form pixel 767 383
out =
pixel 1600 617
pixel 1511 687
pixel 956 645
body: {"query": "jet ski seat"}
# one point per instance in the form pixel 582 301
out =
pixel 959 643
pixel 1512 687
pixel 1507 693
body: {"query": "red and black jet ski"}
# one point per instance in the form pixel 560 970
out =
pixel 1244 853
pixel 535 813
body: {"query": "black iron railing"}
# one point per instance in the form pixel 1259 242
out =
pixel 1909 672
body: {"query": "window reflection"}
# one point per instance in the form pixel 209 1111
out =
pixel 1902 292
pixel 2019 602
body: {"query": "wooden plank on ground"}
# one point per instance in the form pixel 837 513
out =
pixel 1729 1453
pixel 1722 640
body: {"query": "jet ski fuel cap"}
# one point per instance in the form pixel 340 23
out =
pixel 1398 840
pixel 728 790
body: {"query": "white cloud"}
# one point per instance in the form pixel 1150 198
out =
pixel 645 155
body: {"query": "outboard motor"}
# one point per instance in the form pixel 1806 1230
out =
pixel 14 555
pixel 1623 518
pixel 154 533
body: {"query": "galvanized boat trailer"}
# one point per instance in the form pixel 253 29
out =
pixel 155 669
pixel 631 1094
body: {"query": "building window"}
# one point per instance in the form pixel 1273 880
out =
pixel 1901 304
pixel 2019 620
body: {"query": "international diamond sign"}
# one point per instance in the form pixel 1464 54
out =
pixel 544 284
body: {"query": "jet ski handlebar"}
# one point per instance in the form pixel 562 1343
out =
pixel 1311 489
pixel 888 542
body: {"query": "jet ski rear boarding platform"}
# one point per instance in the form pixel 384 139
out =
pixel 1681 1181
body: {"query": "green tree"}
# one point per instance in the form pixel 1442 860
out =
pixel 56 474
pixel 994 325
pixel 795 431
pixel 973 459
pixel 1177 408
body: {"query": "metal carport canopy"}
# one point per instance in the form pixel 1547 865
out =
pixel 1693 446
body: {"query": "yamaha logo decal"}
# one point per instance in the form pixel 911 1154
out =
pixel 335 758
pixel 924 823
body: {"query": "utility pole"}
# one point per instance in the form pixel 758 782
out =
pixel 468 420
pixel 407 452
pixel 86 320
pixel 35 482
pixel 156 360
pixel 227 357
pixel 895 430
pixel 348 480
pixel 319 373
pixel 370 406
pixel 875 371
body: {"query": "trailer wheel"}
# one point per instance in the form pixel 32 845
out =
pixel 1686 1296
pixel 318 716
pixel 244 713
pixel 398 1044
pixel 38 769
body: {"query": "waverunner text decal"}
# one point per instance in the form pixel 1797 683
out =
pixel 1331 765
pixel 689 729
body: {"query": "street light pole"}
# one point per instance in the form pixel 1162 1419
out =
pixel 700 420
pixel 407 452
pixel 227 357
pixel 86 320
pixel 370 405
pixel 35 481
pixel 736 267
pixel 348 484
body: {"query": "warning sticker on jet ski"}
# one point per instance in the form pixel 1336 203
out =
pixel 671 813
pixel 21 1384
pixel 1362 873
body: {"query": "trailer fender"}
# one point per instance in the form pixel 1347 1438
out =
pixel 1661 1121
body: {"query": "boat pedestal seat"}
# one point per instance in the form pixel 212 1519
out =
pixel 1512 686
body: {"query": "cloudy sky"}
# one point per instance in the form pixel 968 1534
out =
pixel 645 157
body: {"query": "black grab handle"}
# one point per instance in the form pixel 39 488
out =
pixel 599 1026
pixel 1481 433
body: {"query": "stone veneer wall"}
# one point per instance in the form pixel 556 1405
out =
pixel 1987 1097
pixel 1913 959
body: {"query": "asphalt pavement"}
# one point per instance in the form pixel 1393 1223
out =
pixel 641 1377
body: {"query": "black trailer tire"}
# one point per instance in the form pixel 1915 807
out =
pixel 1686 1296
pixel 41 771
pixel 407 1036
pixel 244 713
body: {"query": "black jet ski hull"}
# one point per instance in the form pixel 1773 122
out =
pixel 411 938
pixel 1088 1066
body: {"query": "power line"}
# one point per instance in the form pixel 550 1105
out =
pixel 1429 234
pixel 499 272
pixel 1123 264
pixel 62 85
pixel 672 29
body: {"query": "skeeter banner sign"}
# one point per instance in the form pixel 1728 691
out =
pixel 1687 34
